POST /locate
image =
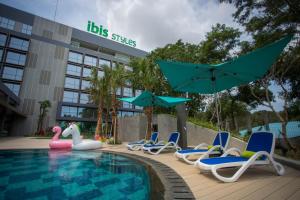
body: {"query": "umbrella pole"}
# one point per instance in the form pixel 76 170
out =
pixel 217 111
pixel 218 116
pixel 213 78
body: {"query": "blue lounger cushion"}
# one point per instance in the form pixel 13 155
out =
pixel 153 139
pixel 154 145
pixel 142 142
pixel 222 160
pixel 192 151
pixel 173 138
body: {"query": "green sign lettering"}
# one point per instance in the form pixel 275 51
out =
pixel 99 30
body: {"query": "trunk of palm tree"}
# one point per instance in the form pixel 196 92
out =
pixel 106 121
pixel 114 118
pixel 39 122
pixel 98 131
pixel 148 113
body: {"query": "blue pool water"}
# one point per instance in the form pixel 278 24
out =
pixel 293 129
pixel 43 174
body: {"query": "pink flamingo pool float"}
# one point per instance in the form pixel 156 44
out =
pixel 56 143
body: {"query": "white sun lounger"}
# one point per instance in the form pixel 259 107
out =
pixel 202 149
pixel 134 146
pixel 162 146
pixel 262 145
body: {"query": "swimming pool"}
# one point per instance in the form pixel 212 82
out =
pixel 43 174
pixel 292 128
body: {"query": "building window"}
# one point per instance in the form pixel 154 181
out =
pixel 15 58
pixel 128 82
pixel 118 91
pixel 27 29
pixel 113 65
pixel 70 97
pixel 72 83
pixel 69 111
pixel 85 85
pixel 75 44
pixel 7 23
pixel 1 52
pixel 100 74
pixel 86 113
pixel 119 114
pixel 2 39
pixel 73 70
pixel 86 72
pixel 139 107
pixel 127 105
pixel 138 92
pixel 84 98
pixel 122 57
pixel 103 62
pixel 89 60
pixel 127 92
pixel 12 73
pixel 128 68
pixel 75 57
pixel 18 43
pixel 127 114
pixel 15 88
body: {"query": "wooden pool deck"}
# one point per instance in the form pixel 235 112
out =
pixel 256 183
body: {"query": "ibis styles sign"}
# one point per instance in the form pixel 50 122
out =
pixel 100 30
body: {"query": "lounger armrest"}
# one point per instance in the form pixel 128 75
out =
pixel 161 142
pixel 206 154
pixel 258 155
pixel 231 150
pixel 202 145
pixel 149 142
pixel 178 148
pixel 140 141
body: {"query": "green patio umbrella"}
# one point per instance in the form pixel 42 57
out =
pixel 208 79
pixel 148 99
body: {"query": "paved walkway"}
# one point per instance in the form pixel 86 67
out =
pixel 256 183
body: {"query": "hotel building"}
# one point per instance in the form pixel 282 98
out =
pixel 44 60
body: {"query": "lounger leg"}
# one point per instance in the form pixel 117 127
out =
pixel 234 178
pixel 278 167
pixel 136 148
pixel 161 149
pixel 187 160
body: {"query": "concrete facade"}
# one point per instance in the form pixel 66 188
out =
pixel 44 75
pixel 132 128
pixel 129 130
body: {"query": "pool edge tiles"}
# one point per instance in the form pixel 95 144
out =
pixel 173 184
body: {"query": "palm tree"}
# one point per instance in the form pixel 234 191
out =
pixel 43 112
pixel 107 98
pixel 117 80
pixel 98 91
pixel 107 103
pixel 146 76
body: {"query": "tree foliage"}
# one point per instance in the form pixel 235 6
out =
pixel 267 21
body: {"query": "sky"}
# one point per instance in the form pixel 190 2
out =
pixel 151 24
